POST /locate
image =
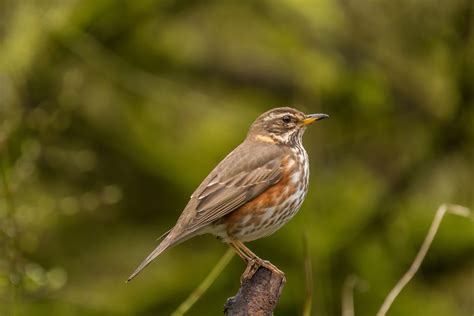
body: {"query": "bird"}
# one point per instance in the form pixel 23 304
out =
pixel 256 189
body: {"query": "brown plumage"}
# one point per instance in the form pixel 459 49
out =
pixel 253 191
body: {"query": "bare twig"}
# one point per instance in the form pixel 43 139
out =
pixel 351 283
pixel 205 284
pixel 442 210
pixel 308 303
pixel 347 301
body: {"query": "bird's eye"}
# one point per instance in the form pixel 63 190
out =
pixel 286 119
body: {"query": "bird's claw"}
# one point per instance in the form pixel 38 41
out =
pixel 252 267
pixel 255 263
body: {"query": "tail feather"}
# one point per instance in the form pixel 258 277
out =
pixel 173 238
pixel 165 244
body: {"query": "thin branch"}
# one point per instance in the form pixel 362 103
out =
pixel 351 283
pixel 347 301
pixel 205 284
pixel 442 210
pixel 308 272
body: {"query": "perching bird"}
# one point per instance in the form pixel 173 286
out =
pixel 253 192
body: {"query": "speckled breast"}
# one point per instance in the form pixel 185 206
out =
pixel 273 208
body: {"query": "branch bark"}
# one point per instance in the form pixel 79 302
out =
pixel 258 294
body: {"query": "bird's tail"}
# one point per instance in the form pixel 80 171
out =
pixel 165 244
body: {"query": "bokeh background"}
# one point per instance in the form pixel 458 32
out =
pixel 112 112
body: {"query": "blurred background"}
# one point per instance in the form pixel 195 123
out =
pixel 112 112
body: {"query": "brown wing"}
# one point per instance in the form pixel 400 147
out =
pixel 248 171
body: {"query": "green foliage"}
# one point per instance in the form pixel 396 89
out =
pixel 112 112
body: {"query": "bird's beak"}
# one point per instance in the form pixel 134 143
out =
pixel 311 118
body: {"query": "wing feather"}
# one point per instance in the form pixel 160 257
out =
pixel 226 190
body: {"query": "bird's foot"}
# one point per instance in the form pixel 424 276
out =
pixel 255 263
pixel 252 267
pixel 270 266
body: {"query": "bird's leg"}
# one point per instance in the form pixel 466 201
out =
pixel 239 251
pixel 264 263
pixel 250 260
pixel 255 262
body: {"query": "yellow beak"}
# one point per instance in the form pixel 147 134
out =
pixel 311 118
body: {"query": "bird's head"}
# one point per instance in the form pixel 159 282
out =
pixel 283 125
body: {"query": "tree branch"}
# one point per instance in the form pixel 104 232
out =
pixel 258 294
